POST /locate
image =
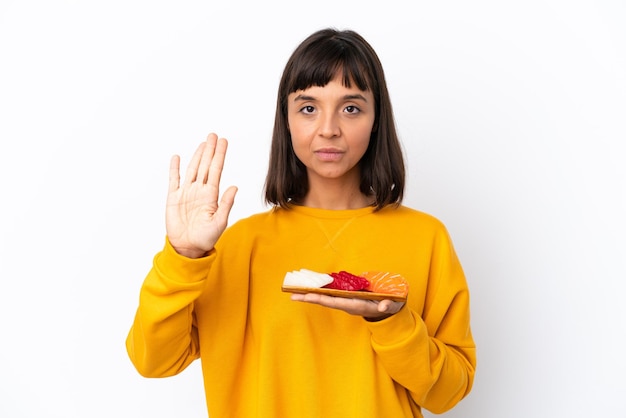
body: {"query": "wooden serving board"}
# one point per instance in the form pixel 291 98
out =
pixel 354 294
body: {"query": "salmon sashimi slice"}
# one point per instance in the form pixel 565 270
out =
pixel 386 282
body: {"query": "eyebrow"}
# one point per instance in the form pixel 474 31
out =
pixel 304 97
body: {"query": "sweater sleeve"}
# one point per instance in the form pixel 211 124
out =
pixel 163 339
pixel 433 355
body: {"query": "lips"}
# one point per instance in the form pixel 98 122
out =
pixel 329 154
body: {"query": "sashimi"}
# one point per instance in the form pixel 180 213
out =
pixel 344 280
pixel 386 282
pixel 306 278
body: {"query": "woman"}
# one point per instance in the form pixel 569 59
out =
pixel 335 183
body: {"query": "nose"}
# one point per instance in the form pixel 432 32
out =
pixel 329 126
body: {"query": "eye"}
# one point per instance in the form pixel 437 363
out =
pixel 352 109
pixel 307 110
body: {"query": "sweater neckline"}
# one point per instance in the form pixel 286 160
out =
pixel 332 213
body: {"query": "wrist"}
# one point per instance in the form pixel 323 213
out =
pixel 189 252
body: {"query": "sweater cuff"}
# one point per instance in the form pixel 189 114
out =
pixel 183 269
pixel 396 328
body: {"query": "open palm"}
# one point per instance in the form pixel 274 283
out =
pixel 194 217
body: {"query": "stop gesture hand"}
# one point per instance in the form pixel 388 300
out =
pixel 194 218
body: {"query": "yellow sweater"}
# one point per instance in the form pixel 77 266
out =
pixel 264 355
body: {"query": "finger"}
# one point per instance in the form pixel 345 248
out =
pixel 228 199
pixel 207 158
pixel 389 306
pixel 225 205
pixel 217 164
pixel 384 306
pixel 174 173
pixel 312 298
pixel 192 169
pixel 352 306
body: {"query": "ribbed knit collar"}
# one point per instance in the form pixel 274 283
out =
pixel 332 214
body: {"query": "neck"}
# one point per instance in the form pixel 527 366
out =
pixel 336 195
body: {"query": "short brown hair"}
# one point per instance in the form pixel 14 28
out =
pixel 315 62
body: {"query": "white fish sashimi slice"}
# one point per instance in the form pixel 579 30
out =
pixel 303 279
pixel 295 278
pixel 322 278
pixel 306 278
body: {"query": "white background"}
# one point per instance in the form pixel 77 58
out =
pixel 512 114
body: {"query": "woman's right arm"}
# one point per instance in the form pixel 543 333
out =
pixel 163 339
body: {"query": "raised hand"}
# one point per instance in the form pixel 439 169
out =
pixel 194 219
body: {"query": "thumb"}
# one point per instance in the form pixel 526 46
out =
pixel 226 203
pixel 383 306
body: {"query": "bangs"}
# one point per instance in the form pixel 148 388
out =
pixel 322 62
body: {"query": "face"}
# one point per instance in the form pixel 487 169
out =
pixel 330 129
